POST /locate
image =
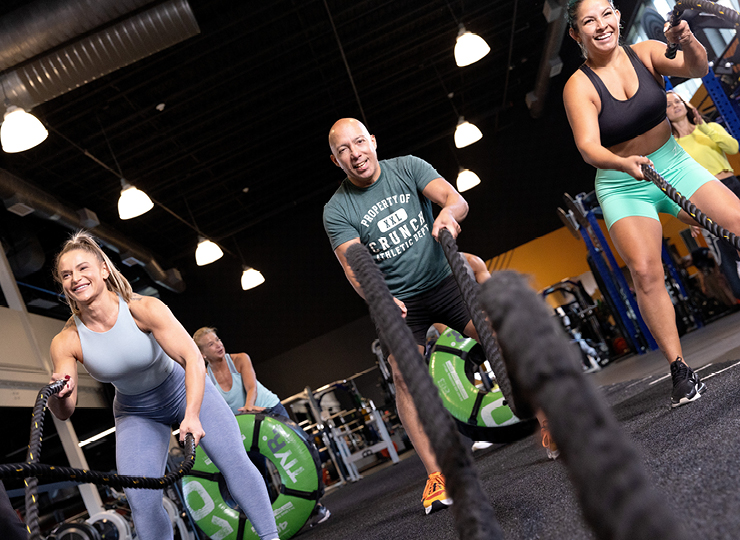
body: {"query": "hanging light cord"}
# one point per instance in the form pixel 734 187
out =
pixel 194 225
pixel 452 150
pixel 457 22
pixel 346 64
pixel 508 66
pixel 110 148
pixel 239 251
pixel 447 92
pixel 6 101
pixel 508 61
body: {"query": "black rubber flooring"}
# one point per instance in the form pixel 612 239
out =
pixel 692 454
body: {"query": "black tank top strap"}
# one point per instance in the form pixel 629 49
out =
pixel 632 54
pixel 594 78
pixel 638 65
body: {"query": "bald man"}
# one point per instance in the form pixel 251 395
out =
pixel 387 206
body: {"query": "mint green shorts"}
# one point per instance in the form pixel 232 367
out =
pixel 622 196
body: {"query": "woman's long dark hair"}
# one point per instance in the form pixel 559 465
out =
pixel 689 117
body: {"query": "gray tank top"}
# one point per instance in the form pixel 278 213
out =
pixel 125 356
pixel 237 395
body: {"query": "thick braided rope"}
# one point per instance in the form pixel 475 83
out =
pixel 689 207
pixel 31 470
pixel 53 472
pixel 707 6
pixel 703 6
pixel 474 518
pixel 615 492
pixel 469 292
pixel 672 48
pixel 33 455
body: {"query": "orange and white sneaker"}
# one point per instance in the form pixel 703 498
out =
pixel 549 443
pixel 435 495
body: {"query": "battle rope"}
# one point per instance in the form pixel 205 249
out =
pixel 34 453
pixel 672 48
pixel 615 492
pixel 474 518
pixel 689 207
pixel 702 6
pixel 469 292
pixel 31 470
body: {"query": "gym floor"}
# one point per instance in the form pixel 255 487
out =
pixel 690 452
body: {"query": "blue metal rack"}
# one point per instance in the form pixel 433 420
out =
pixel 638 336
pixel 683 295
pixel 617 272
pixel 726 107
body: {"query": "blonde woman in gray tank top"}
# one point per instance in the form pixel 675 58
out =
pixel 137 344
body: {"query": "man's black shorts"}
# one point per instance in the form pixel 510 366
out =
pixel 440 304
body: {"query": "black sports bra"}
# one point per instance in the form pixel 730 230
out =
pixel 620 121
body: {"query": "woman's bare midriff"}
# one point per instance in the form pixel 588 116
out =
pixel 646 143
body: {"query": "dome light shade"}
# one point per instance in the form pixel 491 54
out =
pixel 466 133
pixel 207 252
pixel 133 202
pixel 466 179
pixel 21 131
pixel 469 48
pixel 251 278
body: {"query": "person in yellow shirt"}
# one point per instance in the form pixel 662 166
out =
pixel 706 142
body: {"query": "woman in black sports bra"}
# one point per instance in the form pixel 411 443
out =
pixel 614 107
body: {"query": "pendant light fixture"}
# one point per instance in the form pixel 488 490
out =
pixel 20 130
pixel 207 252
pixel 469 48
pixel 466 133
pixel 133 202
pixel 251 278
pixel 466 180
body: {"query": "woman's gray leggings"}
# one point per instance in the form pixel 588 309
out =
pixel 143 430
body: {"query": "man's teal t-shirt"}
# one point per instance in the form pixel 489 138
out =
pixel 394 220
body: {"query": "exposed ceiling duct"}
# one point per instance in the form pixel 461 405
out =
pixel 45 24
pixel 14 191
pixel 95 55
pixel 550 63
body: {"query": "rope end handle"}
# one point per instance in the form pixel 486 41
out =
pixel 56 386
pixel 647 170
pixel 189 445
pixel 672 48
pixel 444 237
pixel 651 175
